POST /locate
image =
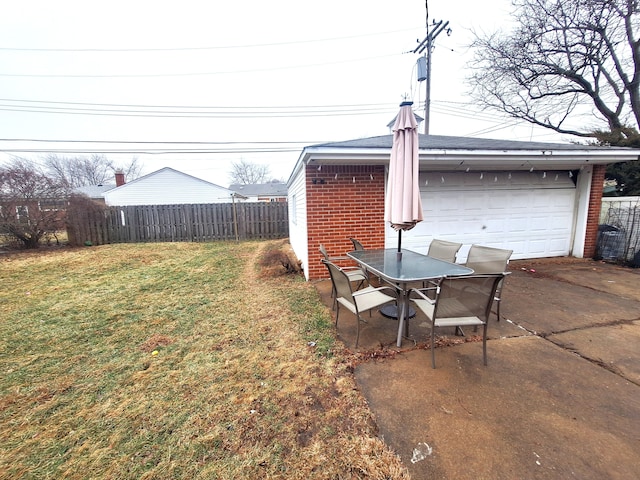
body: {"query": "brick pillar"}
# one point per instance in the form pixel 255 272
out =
pixel 595 205
pixel 342 202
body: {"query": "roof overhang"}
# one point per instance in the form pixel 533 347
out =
pixel 435 160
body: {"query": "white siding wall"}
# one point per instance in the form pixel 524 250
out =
pixel 167 187
pixel 298 235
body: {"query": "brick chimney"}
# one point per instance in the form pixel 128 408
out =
pixel 119 178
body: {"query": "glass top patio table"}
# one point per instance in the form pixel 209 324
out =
pixel 404 269
pixel 412 267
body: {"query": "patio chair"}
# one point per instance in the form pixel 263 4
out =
pixel 355 274
pixel 357 301
pixel 459 301
pixel 444 250
pixel 356 244
pixel 489 260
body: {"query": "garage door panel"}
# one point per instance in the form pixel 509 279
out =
pixel 497 200
pixel 519 200
pixel 516 224
pixel 537 247
pixel 558 245
pixel 539 223
pixel 561 223
pixel 474 202
pixel 522 211
pixel 495 225
pixel 448 228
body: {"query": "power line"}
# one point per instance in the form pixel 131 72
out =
pixel 152 151
pixel 197 106
pixel 163 142
pixel 180 49
pixel 194 112
pixel 194 74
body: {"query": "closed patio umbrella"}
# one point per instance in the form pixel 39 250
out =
pixel 403 208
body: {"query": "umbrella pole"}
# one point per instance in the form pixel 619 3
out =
pixel 399 253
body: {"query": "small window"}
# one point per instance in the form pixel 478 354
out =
pixel 22 214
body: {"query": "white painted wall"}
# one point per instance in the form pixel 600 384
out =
pixel 298 230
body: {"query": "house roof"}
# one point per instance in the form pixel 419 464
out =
pixel 94 191
pixel 440 152
pixel 431 142
pixel 168 170
pixel 261 189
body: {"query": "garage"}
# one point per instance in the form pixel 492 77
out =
pixel 538 199
pixel 530 213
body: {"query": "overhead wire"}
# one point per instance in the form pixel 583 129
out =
pixel 184 111
pixel 191 111
pixel 218 47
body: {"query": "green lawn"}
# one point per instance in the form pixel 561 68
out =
pixel 175 360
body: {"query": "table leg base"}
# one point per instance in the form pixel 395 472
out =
pixel 391 311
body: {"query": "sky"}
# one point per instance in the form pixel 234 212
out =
pixel 198 85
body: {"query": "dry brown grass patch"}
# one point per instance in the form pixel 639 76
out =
pixel 155 341
pixel 235 389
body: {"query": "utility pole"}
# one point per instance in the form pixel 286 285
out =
pixel 427 44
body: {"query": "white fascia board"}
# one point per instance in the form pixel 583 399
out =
pixel 486 159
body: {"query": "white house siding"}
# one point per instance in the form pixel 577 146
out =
pixel 297 199
pixel 531 213
pixel 167 187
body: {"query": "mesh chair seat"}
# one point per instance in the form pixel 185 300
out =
pixel 355 274
pixel 459 301
pixel 358 301
pixel 489 260
pixel 444 250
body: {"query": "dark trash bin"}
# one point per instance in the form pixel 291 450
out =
pixel 610 243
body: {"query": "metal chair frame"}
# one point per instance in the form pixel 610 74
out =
pixel 459 301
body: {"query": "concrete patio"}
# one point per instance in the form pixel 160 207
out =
pixel 560 397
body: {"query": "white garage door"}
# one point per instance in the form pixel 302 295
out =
pixel 531 213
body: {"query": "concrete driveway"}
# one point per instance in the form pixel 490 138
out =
pixel 560 397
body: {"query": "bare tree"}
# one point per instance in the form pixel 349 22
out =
pixel 247 173
pixel 563 58
pixel 32 204
pixel 76 172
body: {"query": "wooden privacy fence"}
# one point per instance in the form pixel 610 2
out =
pixel 177 223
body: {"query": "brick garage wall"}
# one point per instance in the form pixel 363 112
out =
pixel 343 201
pixel 593 216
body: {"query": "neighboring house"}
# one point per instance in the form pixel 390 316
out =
pixel 262 192
pixel 167 187
pixel 94 192
pixel 538 199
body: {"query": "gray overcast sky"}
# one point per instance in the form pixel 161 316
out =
pixel 196 85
